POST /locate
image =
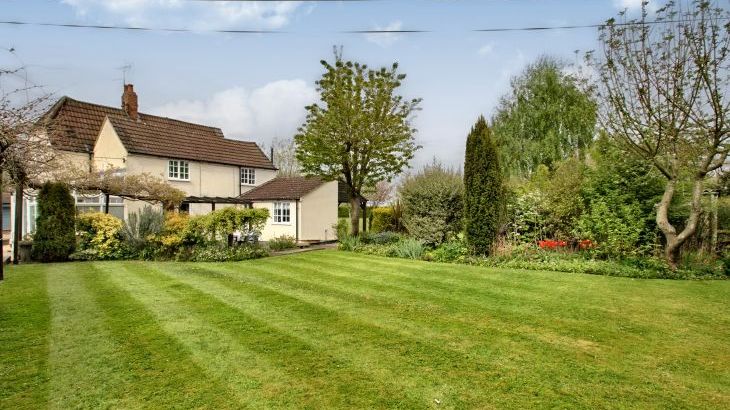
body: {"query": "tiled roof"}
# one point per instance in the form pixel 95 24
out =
pixel 76 124
pixel 283 188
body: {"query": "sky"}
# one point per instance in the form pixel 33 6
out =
pixel 255 86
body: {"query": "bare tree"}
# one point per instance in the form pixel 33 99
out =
pixel 24 145
pixel 113 181
pixel 381 193
pixel 663 85
pixel 285 156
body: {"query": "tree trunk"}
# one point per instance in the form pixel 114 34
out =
pixel 673 240
pixel 354 214
pixel 18 222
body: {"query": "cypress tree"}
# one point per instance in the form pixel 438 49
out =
pixel 55 235
pixel 483 190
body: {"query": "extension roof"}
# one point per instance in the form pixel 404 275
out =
pixel 76 124
pixel 283 188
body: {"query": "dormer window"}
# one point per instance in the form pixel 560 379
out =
pixel 178 170
pixel 248 176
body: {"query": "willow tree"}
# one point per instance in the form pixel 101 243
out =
pixel 548 116
pixel 360 133
pixel 664 86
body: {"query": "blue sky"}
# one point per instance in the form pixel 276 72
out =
pixel 255 86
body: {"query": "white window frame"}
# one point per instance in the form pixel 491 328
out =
pixel 175 170
pixel 248 176
pixel 279 217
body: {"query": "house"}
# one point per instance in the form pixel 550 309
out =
pixel 213 171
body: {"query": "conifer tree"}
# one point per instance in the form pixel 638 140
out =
pixel 483 190
pixel 55 236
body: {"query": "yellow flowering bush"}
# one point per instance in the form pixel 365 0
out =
pixel 99 235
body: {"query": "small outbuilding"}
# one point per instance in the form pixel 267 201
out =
pixel 304 208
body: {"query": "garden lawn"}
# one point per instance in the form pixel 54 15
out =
pixel 332 329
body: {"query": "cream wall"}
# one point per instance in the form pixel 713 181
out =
pixel 109 152
pixel 206 179
pixel 272 230
pixel 262 176
pixel 319 213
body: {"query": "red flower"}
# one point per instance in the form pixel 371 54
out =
pixel 551 244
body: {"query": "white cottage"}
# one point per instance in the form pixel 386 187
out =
pixel 212 170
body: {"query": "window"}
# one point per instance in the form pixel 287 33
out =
pixel 97 203
pixel 248 176
pixel 281 213
pixel 179 170
pixel 6 217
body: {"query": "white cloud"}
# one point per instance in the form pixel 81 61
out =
pixel 274 110
pixel 633 5
pixel 385 39
pixel 189 14
pixel 486 49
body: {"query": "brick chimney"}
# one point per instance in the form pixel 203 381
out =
pixel 129 101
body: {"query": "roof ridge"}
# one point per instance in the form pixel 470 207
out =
pixel 121 112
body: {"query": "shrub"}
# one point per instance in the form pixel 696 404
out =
pixel 526 218
pixel 614 230
pixel 384 238
pixel 410 249
pixel 85 255
pixel 450 251
pixel 342 228
pixel 383 219
pixel 387 250
pixel 219 224
pixel 348 243
pixel 432 204
pixel 343 211
pixel 282 242
pixel 483 191
pixel 179 231
pixel 139 229
pixel 100 234
pixel 223 253
pixel 55 237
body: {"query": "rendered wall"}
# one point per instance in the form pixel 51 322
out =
pixel 109 152
pixel 206 179
pixel 272 230
pixel 319 213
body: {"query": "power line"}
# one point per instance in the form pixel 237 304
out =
pixel 374 31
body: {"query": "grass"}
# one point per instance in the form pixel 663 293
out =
pixel 333 329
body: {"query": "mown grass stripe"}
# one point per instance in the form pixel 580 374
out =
pixel 251 380
pixel 307 368
pixel 158 371
pixel 25 318
pixel 80 377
